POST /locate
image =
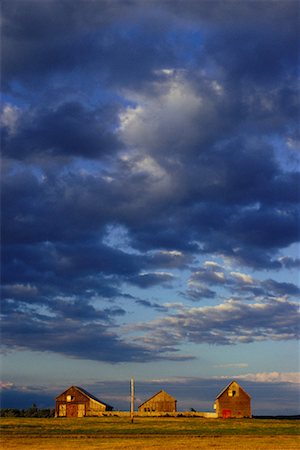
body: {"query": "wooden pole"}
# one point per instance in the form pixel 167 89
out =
pixel 132 400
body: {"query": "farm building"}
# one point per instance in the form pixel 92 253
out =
pixel 76 402
pixel 233 402
pixel 160 402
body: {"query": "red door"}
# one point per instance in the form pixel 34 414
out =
pixel 72 410
pixel 226 413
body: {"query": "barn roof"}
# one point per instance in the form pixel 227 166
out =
pixel 228 386
pixel 157 393
pixel 87 394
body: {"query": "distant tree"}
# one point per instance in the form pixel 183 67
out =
pixel 10 412
pixel 33 411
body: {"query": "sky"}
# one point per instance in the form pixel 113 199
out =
pixel 150 200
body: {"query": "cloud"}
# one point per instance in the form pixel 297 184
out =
pixel 172 259
pixel 290 263
pixel 242 277
pixel 71 337
pixel 138 141
pixel 209 276
pixel 145 280
pixel 240 284
pixel 6 385
pixel 152 305
pixel 69 130
pixel 197 292
pixel 228 323
pixel 281 288
pixel 272 377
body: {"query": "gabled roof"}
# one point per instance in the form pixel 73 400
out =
pixel 159 392
pixel 228 386
pixel 87 394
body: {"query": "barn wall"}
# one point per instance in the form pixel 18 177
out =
pixel 162 402
pixel 233 402
pixel 93 408
pixel 73 403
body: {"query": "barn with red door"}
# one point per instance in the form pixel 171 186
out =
pixel 233 402
pixel 77 402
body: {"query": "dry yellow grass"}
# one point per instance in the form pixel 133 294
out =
pixel 149 434
pixel 154 443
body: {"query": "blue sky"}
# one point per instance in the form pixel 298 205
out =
pixel 150 200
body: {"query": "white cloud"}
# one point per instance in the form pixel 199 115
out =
pixel 230 322
pixel 293 143
pixel 247 279
pixel 171 252
pixel 6 385
pixel 271 377
pixel 164 118
pixel 9 117
pixel 159 274
pixel 212 265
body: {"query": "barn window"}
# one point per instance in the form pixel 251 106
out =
pixel 231 392
pixel 70 398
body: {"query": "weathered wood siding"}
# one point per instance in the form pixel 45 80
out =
pixel 161 402
pixel 233 402
pixel 75 403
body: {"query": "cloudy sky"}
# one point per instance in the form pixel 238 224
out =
pixel 150 193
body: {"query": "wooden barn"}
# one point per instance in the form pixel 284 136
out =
pixel 76 402
pixel 233 402
pixel 159 403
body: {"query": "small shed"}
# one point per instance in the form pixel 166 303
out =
pixel 77 402
pixel 233 402
pixel 158 403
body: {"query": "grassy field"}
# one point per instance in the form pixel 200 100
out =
pixel 149 433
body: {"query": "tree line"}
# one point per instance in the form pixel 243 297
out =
pixel 33 411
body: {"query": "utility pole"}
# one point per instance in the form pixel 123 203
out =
pixel 132 400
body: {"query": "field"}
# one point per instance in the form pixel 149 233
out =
pixel 149 433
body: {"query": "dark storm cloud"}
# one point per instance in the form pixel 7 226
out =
pixel 106 40
pixel 68 131
pixel 256 58
pixel 79 334
pixel 237 193
pixel 106 36
pixel 174 123
pixel 36 36
pixel 72 337
pixel 47 261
